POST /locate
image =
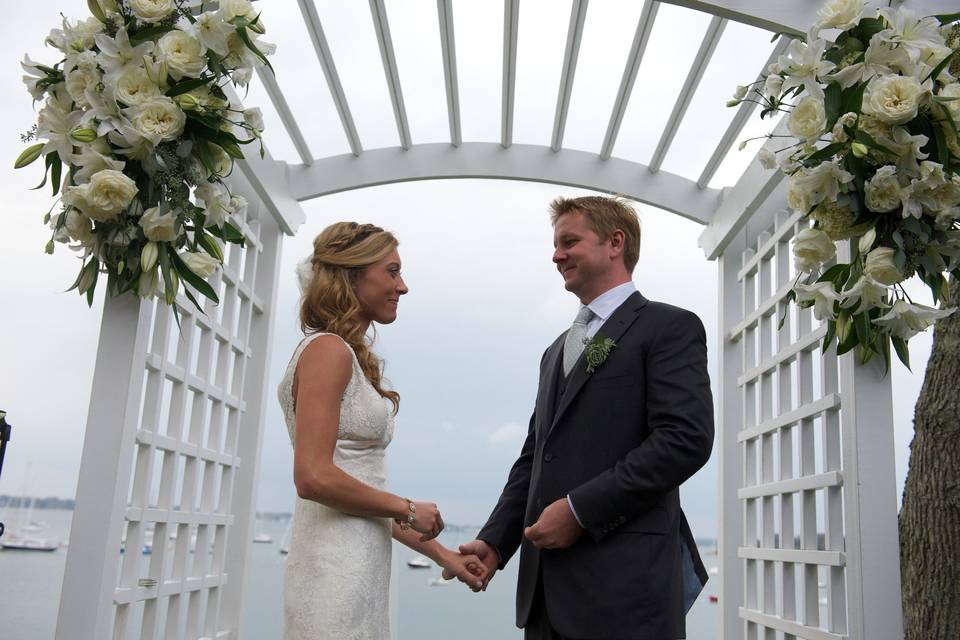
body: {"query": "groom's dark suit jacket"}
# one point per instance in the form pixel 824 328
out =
pixel 619 441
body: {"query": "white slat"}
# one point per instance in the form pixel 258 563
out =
pixel 637 49
pixel 578 14
pixel 448 44
pixel 707 47
pixel 289 121
pixel 315 29
pixel 511 23
pixel 380 24
pixel 744 111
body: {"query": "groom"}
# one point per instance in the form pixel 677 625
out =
pixel 593 501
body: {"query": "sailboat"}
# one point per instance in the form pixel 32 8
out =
pixel 25 537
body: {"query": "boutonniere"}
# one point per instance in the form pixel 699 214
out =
pixel 597 350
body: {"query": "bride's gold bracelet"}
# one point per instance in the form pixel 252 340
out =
pixel 406 523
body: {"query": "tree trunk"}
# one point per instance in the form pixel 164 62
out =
pixel 930 515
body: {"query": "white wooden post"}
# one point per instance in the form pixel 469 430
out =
pixel 90 575
pixel 730 295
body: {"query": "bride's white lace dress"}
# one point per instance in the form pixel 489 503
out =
pixel 337 579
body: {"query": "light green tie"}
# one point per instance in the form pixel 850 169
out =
pixel 573 344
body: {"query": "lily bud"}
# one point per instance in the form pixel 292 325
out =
pixel 149 256
pixel 859 149
pixel 732 103
pixel 84 135
pixel 48 248
pixel 87 279
pixel 867 240
pixel 740 93
pixel 170 293
pixel 189 102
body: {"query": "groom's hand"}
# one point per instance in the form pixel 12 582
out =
pixel 487 555
pixel 557 527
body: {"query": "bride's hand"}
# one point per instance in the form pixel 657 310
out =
pixel 427 521
pixel 468 569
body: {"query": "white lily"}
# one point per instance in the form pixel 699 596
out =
pixel 92 158
pixel 212 31
pixel 906 320
pixel 34 75
pixel 913 34
pixel 879 59
pixel 804 64
pixel 868 292
pixel 117 52
pixel 56 122
pixel 822 295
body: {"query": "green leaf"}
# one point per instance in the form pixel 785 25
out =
pixel 186 86
pixel 900 345
pixel 29 154
pixel 189 276
pixel 836 273
pixel 868 27
pixel 823 154
pixel 56 167
pixel 943 151
pixel 943 65
pixel 48 161
pixel 833 103
pixel 828 337
pixel 149 33
pixel 867 139
pixel 852 98
pixel 947 18
pixel 193 300
pixel 861 326
pixel 228 233
pixel 96 11
pixel 168 283
pixel 208 244
pixel 245 37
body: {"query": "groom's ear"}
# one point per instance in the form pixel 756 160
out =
pixel 617 241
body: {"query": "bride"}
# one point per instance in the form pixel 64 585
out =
pixel 340 419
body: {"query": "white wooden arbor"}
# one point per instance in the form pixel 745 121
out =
pixel 805 439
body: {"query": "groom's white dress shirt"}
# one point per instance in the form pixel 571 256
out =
pixel 603 307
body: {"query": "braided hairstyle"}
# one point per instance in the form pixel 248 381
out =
pixel 341 253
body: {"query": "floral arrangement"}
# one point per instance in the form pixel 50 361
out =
pixel 875 114
pixel 138 137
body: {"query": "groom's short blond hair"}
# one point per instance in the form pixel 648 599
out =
pixel 604 215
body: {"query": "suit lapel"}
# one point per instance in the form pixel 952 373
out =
pixel 547 401
pixel 614 328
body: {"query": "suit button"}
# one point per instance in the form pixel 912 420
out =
pixel 547 457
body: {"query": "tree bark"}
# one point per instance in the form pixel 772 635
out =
pixel 930 515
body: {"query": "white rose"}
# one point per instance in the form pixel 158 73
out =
pixel 78 226
pixel 151 10
pixel 132 86
pixel 840 14
pixel 230 9
pixel 107 194
pixel 894 99
pixel 158 226
pixel 811 248
pixel 216 203
pixel 148 284
pixel 953 106
pixel 183 54
pixel 848 119
pixel 767 159
pixel 810 187
pixel 880 266
pixel 157 119
pixel 808 119
pixel 883 190
pixel 222 162
pixel 77 82
pixel 254 118
pixel 202 264
pixel 907 320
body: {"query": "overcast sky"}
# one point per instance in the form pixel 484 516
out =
pixel 484 297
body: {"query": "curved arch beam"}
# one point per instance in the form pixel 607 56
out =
pixel 532 163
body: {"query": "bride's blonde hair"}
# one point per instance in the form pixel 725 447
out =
pixel 341 253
